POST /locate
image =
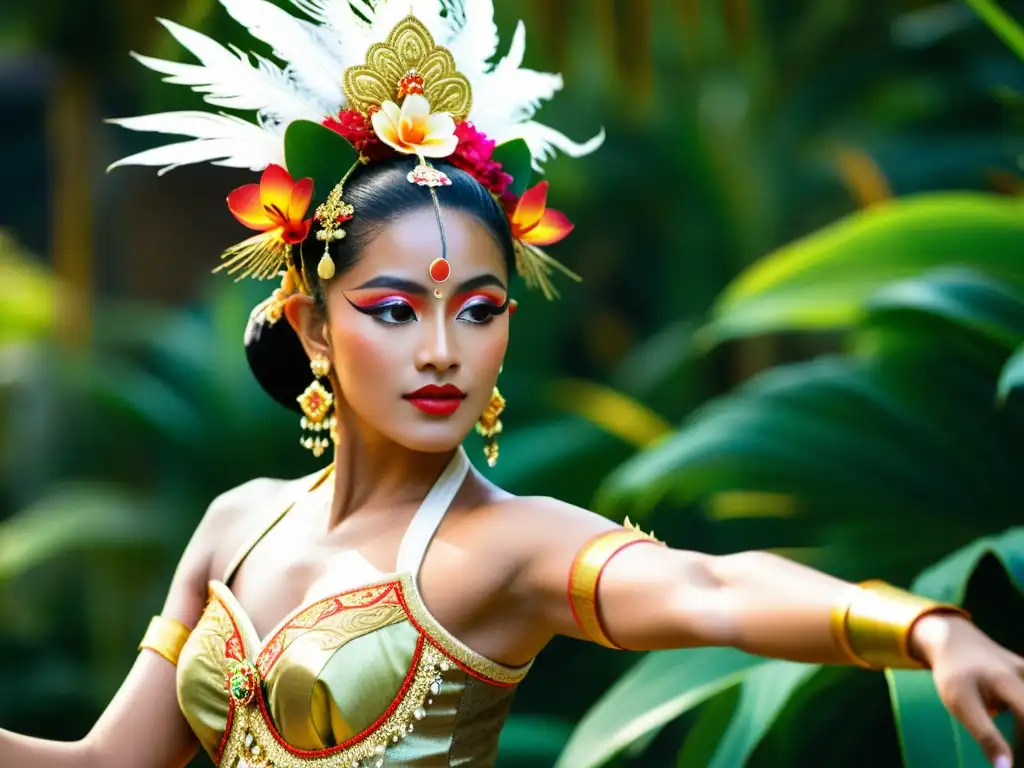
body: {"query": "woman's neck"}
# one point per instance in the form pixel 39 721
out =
pixel 380 473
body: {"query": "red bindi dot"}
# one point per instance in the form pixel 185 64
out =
pixel 440 270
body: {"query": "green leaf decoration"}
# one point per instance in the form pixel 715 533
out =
pixel 321 154
pixel 517 162
pixel 821 281
pixel 660 688
pixel 1012 376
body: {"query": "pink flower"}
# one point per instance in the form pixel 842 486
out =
pixel 473 155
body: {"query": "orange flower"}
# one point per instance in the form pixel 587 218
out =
pixel 534 223
pixel 413 129
pixel 277 203
pixel 275 207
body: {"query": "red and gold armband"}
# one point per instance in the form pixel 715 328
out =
pixel 585 576
pixel 166 637
pixel 873 628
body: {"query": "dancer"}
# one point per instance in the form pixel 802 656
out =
pixel 383 611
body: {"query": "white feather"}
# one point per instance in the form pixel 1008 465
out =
pixel 508 96
pixel 544 140
pixel 475 43
pixel 387 15
pixel 349 33
pixel 220 139
pixel 290 42
pixel 337 35
pixel 229 79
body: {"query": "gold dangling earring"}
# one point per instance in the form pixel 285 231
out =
pixel 489 426
pixel 317 406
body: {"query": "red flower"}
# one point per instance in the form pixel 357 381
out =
pixel 473 155
pixel 355 127
pixel 536 224
pixel 276 206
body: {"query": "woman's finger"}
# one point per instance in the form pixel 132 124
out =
pixel 970 710
pixel 1009 691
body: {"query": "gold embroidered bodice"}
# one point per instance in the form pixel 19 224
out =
pixel 364 677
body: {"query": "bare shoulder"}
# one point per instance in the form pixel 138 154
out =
pixel 233 515
pixel 529 526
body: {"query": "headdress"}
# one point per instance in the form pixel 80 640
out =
pixel 352 82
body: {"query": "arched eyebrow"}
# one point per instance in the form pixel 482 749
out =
pixel 480 282
pixel 395 283
pixel 417 289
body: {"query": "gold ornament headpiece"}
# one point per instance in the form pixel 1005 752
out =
pixel 406 95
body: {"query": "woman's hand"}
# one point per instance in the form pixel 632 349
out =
pixel 975 677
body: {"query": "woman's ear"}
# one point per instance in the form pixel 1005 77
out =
pixel 307 320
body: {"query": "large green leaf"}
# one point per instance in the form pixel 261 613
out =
pixel 527 740
pixel 1001 23
pixel 947 579
pixel 814 430
pixel 319 153
pixel 764 693
pixel 981 307
pixel 657 690
pixel 75 519
pixel 517 161
pixel 821 281
pixel 928 735
pixel 1012 376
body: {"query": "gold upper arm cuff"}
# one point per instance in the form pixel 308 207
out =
pixel 585 577
pixel 166 637
pixel 873 628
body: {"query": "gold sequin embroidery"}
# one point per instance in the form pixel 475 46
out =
pixel 252 743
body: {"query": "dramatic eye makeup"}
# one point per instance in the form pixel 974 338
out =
pixel 478 306
pixel 479 299
pixel 387 305
pixel 395 301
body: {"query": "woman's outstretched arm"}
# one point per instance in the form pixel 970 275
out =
pixel 649 596
pixel 143 726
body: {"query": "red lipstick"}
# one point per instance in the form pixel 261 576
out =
pixel 437 401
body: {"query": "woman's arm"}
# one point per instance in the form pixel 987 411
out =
pixel 650 597
pixel 143 726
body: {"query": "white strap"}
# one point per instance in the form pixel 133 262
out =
pixel 428 517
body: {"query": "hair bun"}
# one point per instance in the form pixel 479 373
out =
pixel 277 359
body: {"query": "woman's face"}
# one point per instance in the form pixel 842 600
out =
pixel 416 368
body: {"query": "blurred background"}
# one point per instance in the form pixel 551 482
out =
pixel 799 329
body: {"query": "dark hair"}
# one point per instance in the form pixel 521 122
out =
pixel 381 192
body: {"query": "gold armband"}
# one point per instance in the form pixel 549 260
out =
pixel 585 577
pixel 874 627
pixel 166 637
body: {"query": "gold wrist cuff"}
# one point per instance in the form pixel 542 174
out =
pixel 874 627
pixel 166 637
pixel 585 577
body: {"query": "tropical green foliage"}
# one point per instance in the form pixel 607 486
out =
pixel 733 128
pixel 902 434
